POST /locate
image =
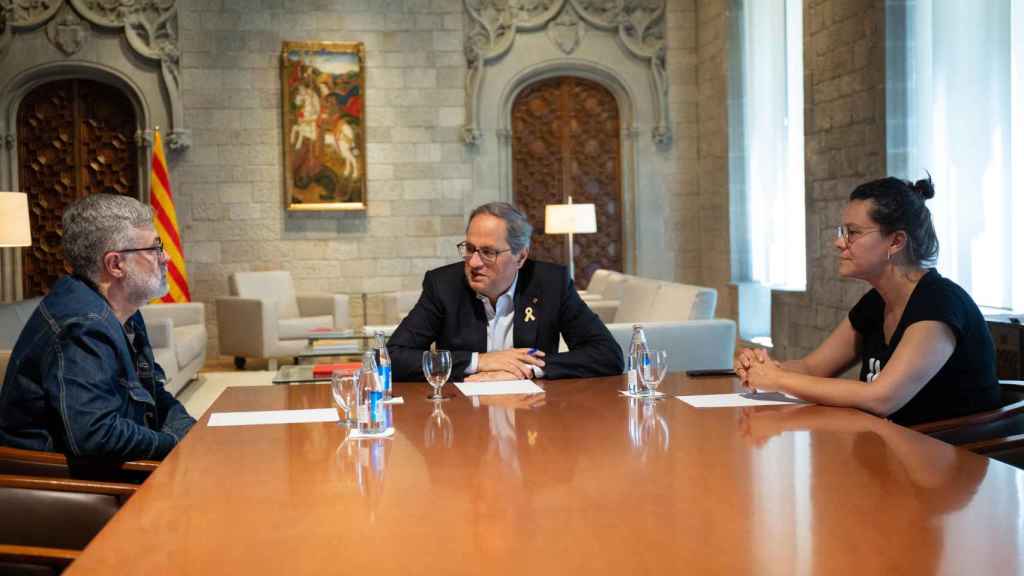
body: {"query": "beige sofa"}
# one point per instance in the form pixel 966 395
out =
pixel 676 317
pixel 177 333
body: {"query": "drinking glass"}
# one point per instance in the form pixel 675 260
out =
pixel 343 388
pixel 652 372
pixel 437 367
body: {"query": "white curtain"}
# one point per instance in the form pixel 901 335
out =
pixel 963 122
pixel 773 138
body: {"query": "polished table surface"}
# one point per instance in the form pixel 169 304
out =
pixel 578 481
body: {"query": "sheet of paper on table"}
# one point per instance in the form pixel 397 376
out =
pixel 498 387
pixel 273 417
pixel 739 400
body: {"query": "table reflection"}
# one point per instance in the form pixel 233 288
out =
pixel 439 429
pixel 880 463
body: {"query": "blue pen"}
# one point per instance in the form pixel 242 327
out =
pixel 532 351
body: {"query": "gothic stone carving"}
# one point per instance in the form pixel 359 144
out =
pixel 493 25
pixel 150 26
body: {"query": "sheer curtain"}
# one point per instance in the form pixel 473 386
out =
pixel 962 120
pixel 769 168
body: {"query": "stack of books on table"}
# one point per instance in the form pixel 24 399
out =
pixel 331 346
pixel 326 370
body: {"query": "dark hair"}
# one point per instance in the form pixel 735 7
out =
pixel 899 205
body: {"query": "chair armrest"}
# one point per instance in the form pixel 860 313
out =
pixel 58 558
pixel 971 420
pixel 691 344
pixel 246 326
pixel 121 489
pixel 19 461
pixel 995 445
pixel 605 309
pixel 321 304
pixel 183 314
pixel 161 333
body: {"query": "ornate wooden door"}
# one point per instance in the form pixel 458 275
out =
pixel 565 142
pixel 75 137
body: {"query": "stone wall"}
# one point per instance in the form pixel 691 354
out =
pixel 709 211
pixel 844 62
pixel 229 185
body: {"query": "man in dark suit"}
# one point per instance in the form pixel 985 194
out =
pixel 501 314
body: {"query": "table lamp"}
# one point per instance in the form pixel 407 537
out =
pixel 14 222
pixel 570 219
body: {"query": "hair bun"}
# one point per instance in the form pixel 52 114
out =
pixel 925 188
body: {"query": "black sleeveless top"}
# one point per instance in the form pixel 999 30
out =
pixel 967 383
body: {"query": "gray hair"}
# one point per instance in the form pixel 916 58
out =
pixel 98 224
pixel 519 229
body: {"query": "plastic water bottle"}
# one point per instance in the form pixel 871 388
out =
pixel 371 401
pixel 634 363
pixel 383 364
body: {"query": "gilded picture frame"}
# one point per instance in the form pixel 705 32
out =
pixel 323 87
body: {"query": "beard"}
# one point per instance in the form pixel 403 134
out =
pixel 143 287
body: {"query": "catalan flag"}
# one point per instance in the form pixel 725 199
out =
pixel 166 221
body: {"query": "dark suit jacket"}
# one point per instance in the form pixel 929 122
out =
pixel 449 313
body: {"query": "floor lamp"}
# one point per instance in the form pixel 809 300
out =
pixel 570 219
pixel 14 223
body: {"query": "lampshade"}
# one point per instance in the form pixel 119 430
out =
pixel 570 219
pixel 14 224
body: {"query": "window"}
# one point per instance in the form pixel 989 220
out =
pixel 766 156
pixel 767 165
pixel 956 111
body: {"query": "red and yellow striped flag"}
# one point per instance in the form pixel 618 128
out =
pixel 166 221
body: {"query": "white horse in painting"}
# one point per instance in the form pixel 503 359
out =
pixel 309 113
pixel 342 138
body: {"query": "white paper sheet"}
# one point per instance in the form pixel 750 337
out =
pixel 499 387
pixel 739 400
pixel 273 417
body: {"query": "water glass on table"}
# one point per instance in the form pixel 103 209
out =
pixel 343 389
pixel 437 367
pixel 653 370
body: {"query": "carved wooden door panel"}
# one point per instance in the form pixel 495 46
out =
pixel 75 138
pixel 565 142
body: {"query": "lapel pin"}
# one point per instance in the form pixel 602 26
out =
pixel 528 314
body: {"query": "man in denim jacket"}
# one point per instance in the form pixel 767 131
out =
pixel 82 379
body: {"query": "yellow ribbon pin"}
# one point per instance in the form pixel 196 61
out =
pixel 528 314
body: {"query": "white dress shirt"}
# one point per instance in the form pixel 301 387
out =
pixel 500 321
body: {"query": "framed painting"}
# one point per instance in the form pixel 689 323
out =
pixel 322 97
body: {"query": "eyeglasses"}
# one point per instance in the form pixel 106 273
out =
pixel 851 235
pixel 488 255
pixel 158 247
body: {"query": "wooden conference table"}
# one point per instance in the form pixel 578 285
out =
pixel 580 481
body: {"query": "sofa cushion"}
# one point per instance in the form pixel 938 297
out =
pixel 296 328
pixel 614 286
pixel 189 342
pixel 167 360
pixel 677 302
pixel 637 299
pixel 272 285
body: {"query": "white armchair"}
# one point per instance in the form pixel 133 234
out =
pixel 265 318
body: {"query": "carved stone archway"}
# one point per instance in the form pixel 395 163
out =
pixel 44 40
pixel 620 45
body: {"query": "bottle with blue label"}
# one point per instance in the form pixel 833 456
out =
pixel 383 363
pixel 371 402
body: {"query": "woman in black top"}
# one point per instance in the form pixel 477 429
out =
pixel 925 350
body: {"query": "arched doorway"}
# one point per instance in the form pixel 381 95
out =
pixel 75 137
pixel 565 142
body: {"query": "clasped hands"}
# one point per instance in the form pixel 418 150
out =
pixel 511 364
pixel 757 370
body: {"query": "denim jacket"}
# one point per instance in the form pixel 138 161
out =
pixel 77 383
